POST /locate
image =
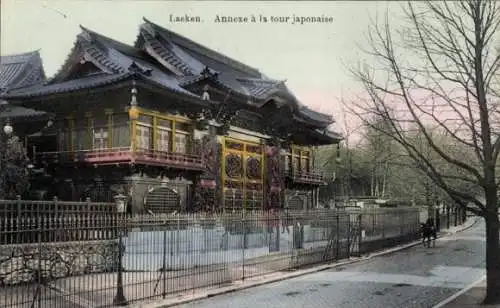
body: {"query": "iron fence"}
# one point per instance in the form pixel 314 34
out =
pixel 151 257
pixel 23 221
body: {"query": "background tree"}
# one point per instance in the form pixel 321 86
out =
pixel 14 179
pixel 437 73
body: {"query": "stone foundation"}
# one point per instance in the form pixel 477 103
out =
pixel 21 263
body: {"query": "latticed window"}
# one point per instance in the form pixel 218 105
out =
pixel 121 130
pixel 181 137
pixel 164 135
pixel 100 132
pixel 286 161
pixel 304 164
pixel 100 139
pixel 163 140
pixel 144 132
pixel 143 136
pixel 296 163
pixel 81 134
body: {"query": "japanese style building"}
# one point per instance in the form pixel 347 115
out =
pixel 175 126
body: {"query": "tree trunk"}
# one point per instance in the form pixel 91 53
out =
pixel 492 257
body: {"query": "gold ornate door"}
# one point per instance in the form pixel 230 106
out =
pixel 242 174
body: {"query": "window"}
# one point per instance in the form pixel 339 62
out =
pixel 121 130
pixel 100 132
pixel 304 164
pixel 100 139
pixel 286 162
pixel 164 135
pixel 144 132
pixel 180 142
pixel 143 136
pixel 181 137
pixel 81 134
pixel 296 163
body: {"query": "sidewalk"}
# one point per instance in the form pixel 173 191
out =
pixel 469 298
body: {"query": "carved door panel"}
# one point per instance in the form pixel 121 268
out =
pixel 242 174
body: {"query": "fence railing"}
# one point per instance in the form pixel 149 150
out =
pixel 23 221
pixel 151 257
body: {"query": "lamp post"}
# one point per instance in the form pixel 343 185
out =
pixel 121 205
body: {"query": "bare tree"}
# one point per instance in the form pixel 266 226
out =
pixel 439 74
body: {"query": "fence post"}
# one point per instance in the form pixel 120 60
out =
pixel 164 268
pixel 401 224
pixel 39 227
pixel 438 220
pixel 89 234
pixel 383 223
pixel 337 235
pixel 348 235
pixel 447 216
pixel 243 245
pixel 360 233
pixel 18 236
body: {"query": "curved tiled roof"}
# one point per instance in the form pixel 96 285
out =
pixel 188 59
pixel 165 59
pixel 21 70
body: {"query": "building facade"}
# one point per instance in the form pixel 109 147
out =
pixel 175 126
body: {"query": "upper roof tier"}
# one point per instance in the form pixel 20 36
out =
pixel 189 60
pixel 170 61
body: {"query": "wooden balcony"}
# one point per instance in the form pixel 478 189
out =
pixel 114 156
pixel 312 177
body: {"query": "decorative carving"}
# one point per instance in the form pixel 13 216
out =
pixel 254 168
pixel 273 163
pixel 234 145
pixel 162 199
pixel 210 155
pixel 234 166
pixel 273 176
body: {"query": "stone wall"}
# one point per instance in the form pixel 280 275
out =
pixel 20 263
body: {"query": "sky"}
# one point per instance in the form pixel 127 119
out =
pixel 313 57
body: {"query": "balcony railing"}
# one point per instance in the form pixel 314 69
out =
pixel 307 177
pixel 111 156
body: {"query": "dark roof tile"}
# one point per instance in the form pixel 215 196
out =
pixel 66 86
pixel 21 70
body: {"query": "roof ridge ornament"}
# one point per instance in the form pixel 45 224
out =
pixel 149 29
pixel 208 72
pixel 86 34
pixel 137 68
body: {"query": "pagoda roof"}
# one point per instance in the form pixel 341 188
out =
pixel 190 60
pixel 116 61
pixel 20 71
pixel 165 59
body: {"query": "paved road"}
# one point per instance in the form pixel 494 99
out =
pixel 419 277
